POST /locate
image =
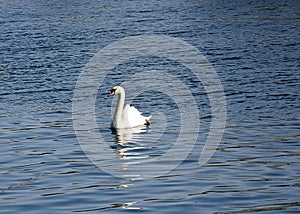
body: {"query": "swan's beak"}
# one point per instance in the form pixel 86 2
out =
pixel 112 93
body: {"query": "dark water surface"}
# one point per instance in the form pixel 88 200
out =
pixel 253 46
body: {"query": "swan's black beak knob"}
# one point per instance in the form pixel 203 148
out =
pixel 112 92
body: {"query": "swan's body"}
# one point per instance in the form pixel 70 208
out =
pixel 128 116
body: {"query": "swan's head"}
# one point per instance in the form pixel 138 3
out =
pixel 115 90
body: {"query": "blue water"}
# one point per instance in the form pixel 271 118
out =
pixel 254 48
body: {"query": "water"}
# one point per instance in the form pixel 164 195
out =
pixel 253 47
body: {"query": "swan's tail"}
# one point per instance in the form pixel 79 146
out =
pixel 147 120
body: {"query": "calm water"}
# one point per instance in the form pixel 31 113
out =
pixel 254 48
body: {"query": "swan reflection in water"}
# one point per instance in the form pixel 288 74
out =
pixel 129 142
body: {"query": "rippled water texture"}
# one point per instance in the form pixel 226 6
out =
pixel 254 48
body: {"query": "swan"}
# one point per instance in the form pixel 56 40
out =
pixel 128 116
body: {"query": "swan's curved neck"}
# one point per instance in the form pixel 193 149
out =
pixel 119 109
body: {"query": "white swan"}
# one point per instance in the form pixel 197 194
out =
pixel 129 116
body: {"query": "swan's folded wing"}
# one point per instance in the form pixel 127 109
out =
pixel 133 116
pixel 130 112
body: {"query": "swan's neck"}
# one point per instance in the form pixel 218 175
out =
pixel 119 110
